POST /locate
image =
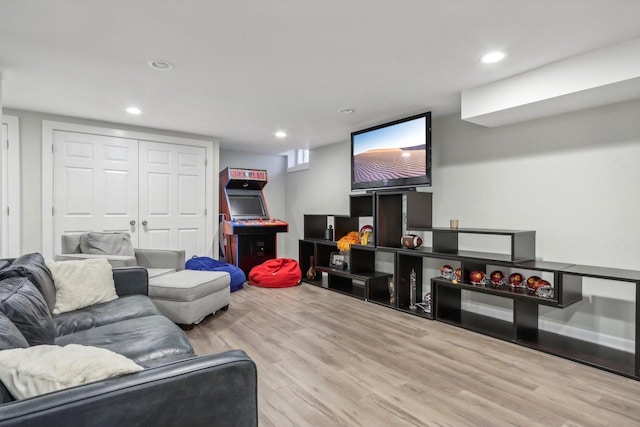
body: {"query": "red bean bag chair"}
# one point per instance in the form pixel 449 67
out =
pixel 276 273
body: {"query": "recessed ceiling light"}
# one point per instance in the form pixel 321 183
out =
pixel 133 110
pixel 492 57
pixel 160 65
pixel 280 134
pixel 347 111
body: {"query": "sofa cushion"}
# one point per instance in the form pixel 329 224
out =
pixel 105 243
pixel 29 372
pixel 148 341
pixel 123 308
pixel 24 305
pixel 82 283
pixel 33 266
pixel 10 335
pixel 187 285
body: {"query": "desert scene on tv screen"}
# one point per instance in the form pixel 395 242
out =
pixel 393 152
pixel 389 163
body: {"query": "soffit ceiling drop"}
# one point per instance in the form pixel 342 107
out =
pixel 600 77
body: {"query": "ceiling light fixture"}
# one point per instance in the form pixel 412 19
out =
pixel 280 134
pixel 160 65
pixel 347 111
pixel 133 110
pixel 492 57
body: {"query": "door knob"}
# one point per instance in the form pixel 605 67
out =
pixel 132 222
pixel 144 223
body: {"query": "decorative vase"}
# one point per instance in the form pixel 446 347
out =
pixel 311 272
pixel 412 289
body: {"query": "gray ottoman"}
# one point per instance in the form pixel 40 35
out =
pixel 188 296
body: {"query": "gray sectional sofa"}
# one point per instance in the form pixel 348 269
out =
pixel 186 297
pixel 175 388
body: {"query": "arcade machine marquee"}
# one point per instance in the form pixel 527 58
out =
pixel 249 233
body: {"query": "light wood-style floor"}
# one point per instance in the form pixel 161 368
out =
pixel 326 359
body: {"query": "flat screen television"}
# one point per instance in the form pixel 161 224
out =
pixel 392 155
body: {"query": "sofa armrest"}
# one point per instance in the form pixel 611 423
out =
pixel 131 281
pixel 115 260
pixel 214 390
pixel 161 258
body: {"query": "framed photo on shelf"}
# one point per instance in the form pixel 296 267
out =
pixel 336 260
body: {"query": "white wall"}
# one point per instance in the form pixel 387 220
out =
pixel 31 166
pixel 324 188
pixel 274 191
pixel 572 178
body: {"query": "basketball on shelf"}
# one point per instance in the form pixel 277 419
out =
pixel 458 274
pixel 411 241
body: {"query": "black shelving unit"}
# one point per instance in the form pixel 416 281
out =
pixel 389 215
pixel 390 208
pixel 316 224
pixel 522 247
pixel 362 205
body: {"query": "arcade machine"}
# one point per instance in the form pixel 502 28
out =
pixel 249 234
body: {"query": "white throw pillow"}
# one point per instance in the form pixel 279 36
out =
pixel 81 283
pixel 28 372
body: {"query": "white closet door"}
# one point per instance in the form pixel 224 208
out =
pixel 95 184
pixel 172 197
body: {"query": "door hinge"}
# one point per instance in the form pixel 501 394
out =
pixel 52 212
pixel 205 163
pixel 7 210
pixel 205 212
pixel 52 148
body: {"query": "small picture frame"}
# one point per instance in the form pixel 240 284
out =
pixel 336 260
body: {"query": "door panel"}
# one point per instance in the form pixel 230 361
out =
pixel 159 196
pixel 172 202
pixel 95 184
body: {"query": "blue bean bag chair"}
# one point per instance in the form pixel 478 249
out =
pixel 209 264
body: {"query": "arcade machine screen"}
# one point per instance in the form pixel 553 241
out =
pixel 246 206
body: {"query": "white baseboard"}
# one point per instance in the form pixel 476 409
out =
pixel 619 343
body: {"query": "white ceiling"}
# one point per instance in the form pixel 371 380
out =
pixel 246 68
